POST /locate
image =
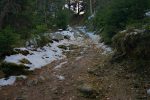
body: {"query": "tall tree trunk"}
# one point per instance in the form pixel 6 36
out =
pixel 3 14
pixel 91 10
pixel 78 7
pixel 45 14
pixel 69 4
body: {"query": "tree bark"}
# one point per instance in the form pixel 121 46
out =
pixel 91 11
pixel 78 7
pixel 3 14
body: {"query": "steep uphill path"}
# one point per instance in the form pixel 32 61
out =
pixel 85 74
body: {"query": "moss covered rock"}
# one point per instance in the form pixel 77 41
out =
pixel 133 43
pixel 43 41
pixel 63 47
pixel 23 52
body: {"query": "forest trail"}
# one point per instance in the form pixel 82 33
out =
pixel 85 74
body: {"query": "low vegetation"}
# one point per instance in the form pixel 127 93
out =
pixel 8 40
pixel 128 15
pixel 13 69
pixel 117 15
pixel 133 43
pixel 20 20
pixel 23 52
pixel 63 47
pixel 43 40
pixel 25 61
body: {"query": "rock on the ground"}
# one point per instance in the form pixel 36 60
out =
pixel 86 89
pixel 61 78
pixel 148 92
pixel 32 82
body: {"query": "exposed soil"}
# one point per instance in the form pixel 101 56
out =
pixel 83 66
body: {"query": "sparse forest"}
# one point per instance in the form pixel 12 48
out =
pixel 74 49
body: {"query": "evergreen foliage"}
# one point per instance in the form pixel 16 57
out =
pixel 62 19
pixel 115 16
pixel 8 39
pixel 19 19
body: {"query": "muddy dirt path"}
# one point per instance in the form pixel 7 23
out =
pixel 83 75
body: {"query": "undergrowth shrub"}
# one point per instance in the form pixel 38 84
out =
pixel 133 43
pixel 44 40
pixel 8 40
pixel 62 19
pixel 25 61
pixel 13 69
pixel 117 15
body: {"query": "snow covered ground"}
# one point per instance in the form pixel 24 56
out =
pixel 60 65
pixel 43 56
pixel 47 54
pixel 96 39
pixel 147 14
pixel 10 80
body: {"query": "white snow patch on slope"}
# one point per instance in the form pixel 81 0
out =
pixel 105 48
pixel 68 33
pixel 96 38
pixel 47 54
pixel 42 56
pixel 38 58
pixel 9 81
pixel 60 65
pixel 51 52
pixel 78 58
pixel 147 14
pixel 60 77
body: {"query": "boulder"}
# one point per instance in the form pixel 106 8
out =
pixel 132 43
pixel 88 91
pixel 57 36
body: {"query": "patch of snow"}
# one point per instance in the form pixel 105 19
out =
pixel 66 6
pixel 124 31
pixel 14 58
pixel 92 16
pixel 60 77
pixel 23 49
pixel 147 14
pixel 105 48
pixel 9 81
pixel 81 13
pixel 78 58
pixel 133 33
pixel 40 57
pixel 60 29
pixel 81 52
pixel 148 92
pixel 22 76
pixel 60 65
pixel 71 34
pixel 96 38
